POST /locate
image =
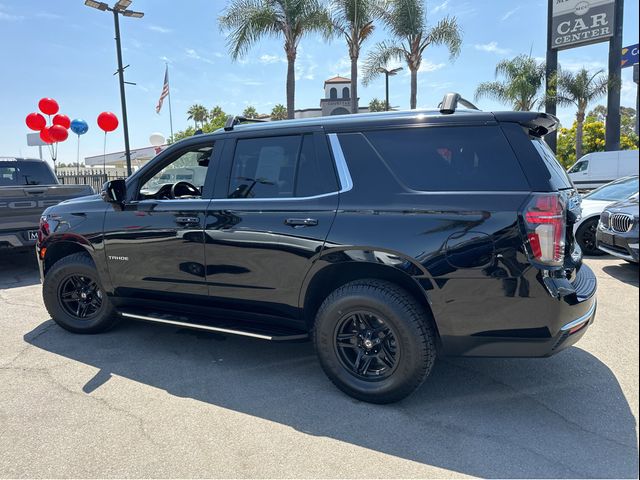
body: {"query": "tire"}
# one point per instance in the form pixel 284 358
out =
pixel 586 237
pixel 393 368
pixel 62 290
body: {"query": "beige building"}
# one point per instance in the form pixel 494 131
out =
pixel 336 101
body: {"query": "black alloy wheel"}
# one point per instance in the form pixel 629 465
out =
pixel 80 296
pixel 366 345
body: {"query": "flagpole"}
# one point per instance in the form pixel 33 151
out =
pixel 169 97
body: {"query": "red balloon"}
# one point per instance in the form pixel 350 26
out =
pixel 58 133
pixel 45 136
pixel 35 121
pixel 108 121
pixel 48 106
pixel 62 120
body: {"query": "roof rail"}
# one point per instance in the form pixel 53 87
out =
pixel 233 120
pixel 450 102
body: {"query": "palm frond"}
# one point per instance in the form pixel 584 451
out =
pixel 446 32
pixel 248 21
pixel 379 57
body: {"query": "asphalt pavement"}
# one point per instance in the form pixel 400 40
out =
pixel 156 401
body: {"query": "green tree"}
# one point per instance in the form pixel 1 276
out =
pixel 406 20
pixel 353 20
pixel 523 79
pixel 627 118
pixel 592 140
pixel 279 112
pixel 376 105
pixel 248 21
pixel 579 89
pixel 198 113
pixel 217 118
pixel 250 112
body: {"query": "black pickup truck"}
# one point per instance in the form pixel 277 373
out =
pixel 27 188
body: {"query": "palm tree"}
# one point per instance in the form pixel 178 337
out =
pixel 523 79
pixel 251 20
pixel 353 19
pixel 250 112
pixel 579 90
pixel 279 112
pixel 406 19
pixel 198 113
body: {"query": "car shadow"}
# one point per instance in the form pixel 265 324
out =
pixel 624 271
pixel 18 268
pixel 565 416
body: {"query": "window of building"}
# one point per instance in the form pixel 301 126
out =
pixel 333 93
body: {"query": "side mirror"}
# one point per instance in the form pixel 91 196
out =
pixel 114 191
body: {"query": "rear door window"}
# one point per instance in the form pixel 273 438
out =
pixel 25 173
pixel 474 158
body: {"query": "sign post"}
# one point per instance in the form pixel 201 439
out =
pixel 573 23
pixel 612 125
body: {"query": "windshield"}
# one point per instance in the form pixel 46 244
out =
pixel 615 191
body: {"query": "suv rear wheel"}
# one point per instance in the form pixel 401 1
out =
pixel 374 341
pixel 74 297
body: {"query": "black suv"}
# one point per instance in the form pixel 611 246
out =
pixel 388 238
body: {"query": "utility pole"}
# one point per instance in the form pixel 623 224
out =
pixel 551 69
pixel 123 100
pixel 612 126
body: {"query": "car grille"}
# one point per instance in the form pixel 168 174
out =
pixel 621 222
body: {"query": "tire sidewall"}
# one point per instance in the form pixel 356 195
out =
pixel 410 359
pixel 580 232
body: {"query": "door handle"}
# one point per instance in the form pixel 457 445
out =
pixel 301 222
pixel 187 220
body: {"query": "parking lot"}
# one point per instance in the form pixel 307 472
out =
pixel 147 400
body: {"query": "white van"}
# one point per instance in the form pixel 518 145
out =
pixel 597 168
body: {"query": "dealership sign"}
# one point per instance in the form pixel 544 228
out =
pixel 580 22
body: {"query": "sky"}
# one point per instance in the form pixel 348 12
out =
pixel 65 50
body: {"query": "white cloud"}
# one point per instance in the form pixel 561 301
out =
pixel 628 92
pixel 441 7
pixel 305 67
pixel 191 53
pixel 428 66
pixel 491 47
pixel 267 59
pixel 508 14
pixel 576 65
pixel 49 16
pixel 9 17
pixel 159 29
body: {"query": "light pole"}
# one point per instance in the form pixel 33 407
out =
pixel 387 74
pixel 120 8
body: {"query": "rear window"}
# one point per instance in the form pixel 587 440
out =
pixel 450 159
pixel 25 173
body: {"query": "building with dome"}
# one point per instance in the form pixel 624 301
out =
pixel 336 101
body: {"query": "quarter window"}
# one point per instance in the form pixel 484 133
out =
pixel 450 158
pixel 580 167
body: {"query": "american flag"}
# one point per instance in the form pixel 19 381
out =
pixel 165 90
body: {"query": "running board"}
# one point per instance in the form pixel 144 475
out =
pixel 170 320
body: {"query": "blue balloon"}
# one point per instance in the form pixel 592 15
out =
pixel 79 127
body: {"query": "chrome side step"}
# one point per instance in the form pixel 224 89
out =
pixel 210 328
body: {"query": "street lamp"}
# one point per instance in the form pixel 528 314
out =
pixel 387 74
pixel 120 8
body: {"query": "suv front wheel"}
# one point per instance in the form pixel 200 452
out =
pixel 374 341
pixel 74 297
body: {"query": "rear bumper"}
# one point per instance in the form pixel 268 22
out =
pixel 553 325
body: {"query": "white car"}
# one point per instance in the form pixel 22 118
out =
pixel 592 206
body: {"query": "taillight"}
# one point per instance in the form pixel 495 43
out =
pixel 43 231
pixel 545 222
